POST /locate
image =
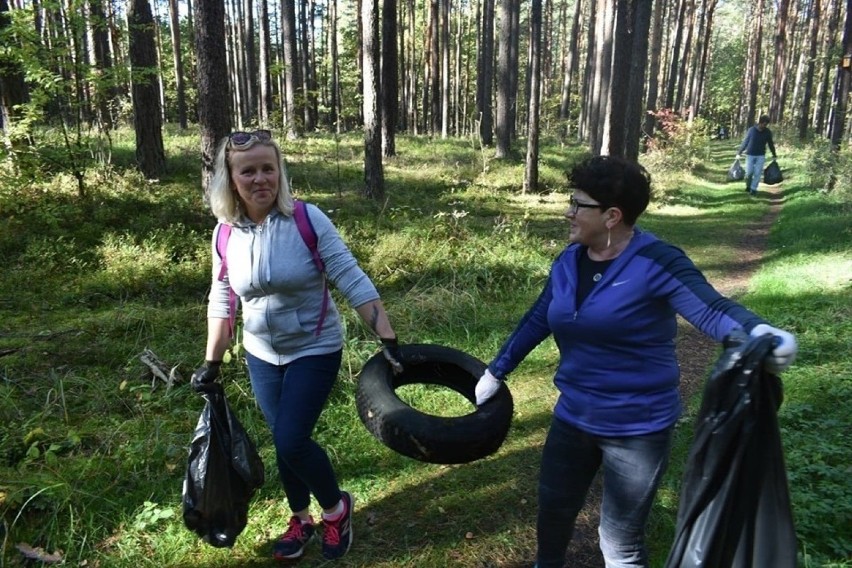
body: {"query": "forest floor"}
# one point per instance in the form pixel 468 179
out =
pixel 695 355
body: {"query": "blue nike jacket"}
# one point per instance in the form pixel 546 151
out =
pixel 618 374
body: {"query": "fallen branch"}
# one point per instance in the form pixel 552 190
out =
pixel 4 352
pixel 160 370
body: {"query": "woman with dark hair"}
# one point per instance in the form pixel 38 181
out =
pixel 611 302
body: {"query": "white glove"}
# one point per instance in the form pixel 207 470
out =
pixel 486 387
pixel 783 355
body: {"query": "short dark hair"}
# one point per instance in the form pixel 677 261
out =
pixel 614 182
pixel 764 119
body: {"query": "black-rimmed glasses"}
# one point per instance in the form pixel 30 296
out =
pixel 574 205
pixel 237 139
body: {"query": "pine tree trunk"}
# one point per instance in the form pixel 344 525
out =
pixel 620 81
pixel 435 66
pixel 821 100
pixel 105 92
pixel 288 40
pixel 411 73
pixel 514 67
pixel 335 71
pixel 674 62
pixel 686 60
pixel 264 80
pixel 502 127
pixel 373 171
pixel 572 57
pixel 641 22
pixel 844 79
pixel 12 87
pixel 779 76
pixel 389 89
pixel 250 73
pixel 402 70
pixel 753 76
pixel 445 68
pixel 147 121
pixel 703 51
pixel 653 71
pixel 603 74
pixel 177 56
pixel 531 169
pixel 485 74
pixel 214 117
pixel 807 90
pixel 306 65
pixel 586 102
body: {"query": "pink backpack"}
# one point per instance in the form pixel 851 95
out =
pixel 309 236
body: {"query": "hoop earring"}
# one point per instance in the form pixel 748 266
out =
pixel 608 237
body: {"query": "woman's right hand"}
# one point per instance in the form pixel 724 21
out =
pixel 486 387
pixel 205 376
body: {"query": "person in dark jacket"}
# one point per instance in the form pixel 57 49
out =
pixel 611 302
pixel 757 138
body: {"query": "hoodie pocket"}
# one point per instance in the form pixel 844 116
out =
pixel 281 327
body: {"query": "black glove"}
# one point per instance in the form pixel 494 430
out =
pixel 390 349
pixel 205 376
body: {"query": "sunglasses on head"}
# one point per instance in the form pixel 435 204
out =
pixel 236 139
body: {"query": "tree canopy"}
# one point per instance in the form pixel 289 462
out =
pixel 462 68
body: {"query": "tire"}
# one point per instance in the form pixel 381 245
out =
pixel 425 437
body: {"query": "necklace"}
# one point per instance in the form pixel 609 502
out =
pixel 597 276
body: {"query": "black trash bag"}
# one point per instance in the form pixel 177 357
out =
pixel 772 173
pixel 223 472
pixel 734 503
pixel 736 171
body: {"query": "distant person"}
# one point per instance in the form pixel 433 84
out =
pixel 611 302
pixel 293 361
pixel 757 138
pixel 722 133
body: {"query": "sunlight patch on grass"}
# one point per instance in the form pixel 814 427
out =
pixel 829 272
pixel 435 400
pixel 681 210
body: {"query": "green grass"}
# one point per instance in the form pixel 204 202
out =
pixel 92 452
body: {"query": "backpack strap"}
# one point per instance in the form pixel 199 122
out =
pixel 309 236
pixel 222 248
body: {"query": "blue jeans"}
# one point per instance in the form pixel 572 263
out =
pixel 291 398
pixel 753 170
pixel 632 469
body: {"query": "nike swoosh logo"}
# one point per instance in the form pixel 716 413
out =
pixel 620 282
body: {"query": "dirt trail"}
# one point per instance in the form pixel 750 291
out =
pixel 695 353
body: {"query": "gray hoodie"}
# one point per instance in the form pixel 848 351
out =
pixel 281 290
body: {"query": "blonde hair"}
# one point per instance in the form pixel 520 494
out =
pixel 224 201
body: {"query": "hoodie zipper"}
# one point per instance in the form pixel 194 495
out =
pixel 257 231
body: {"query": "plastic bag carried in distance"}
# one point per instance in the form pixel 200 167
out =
pixel 736 171
pixel 772 173
pixel 735 504
pixel 223 472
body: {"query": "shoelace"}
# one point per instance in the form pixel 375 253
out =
pixel 294 531
pixel 331 534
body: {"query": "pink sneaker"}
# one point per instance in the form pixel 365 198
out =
pixel 337 535
pixel 292 543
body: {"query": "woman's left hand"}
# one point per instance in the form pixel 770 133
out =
pixel 785 350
